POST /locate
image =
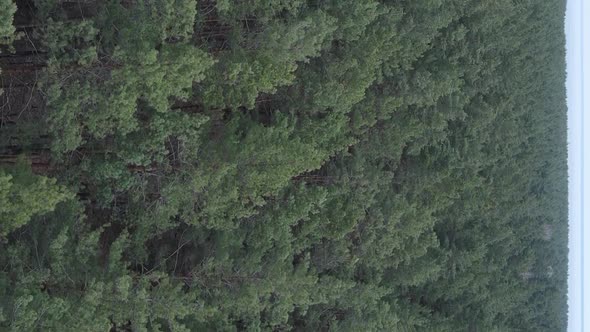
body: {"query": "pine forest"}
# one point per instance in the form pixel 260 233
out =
pixel 283 165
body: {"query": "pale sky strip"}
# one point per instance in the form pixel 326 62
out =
pixel 578 66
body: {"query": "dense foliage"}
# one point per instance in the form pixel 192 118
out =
pixel 273 165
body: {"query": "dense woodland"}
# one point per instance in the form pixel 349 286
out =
pixel 277 165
